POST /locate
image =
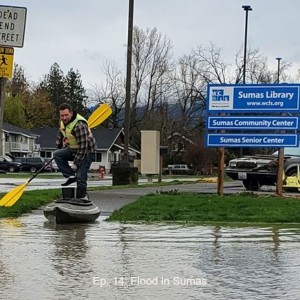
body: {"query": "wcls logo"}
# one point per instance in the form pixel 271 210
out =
pixel 218 95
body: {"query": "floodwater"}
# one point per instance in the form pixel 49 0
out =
pixel 107 260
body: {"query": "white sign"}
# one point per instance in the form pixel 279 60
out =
pixel 12 26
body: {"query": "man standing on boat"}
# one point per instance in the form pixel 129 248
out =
pixel 76 143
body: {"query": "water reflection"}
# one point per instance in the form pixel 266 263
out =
pixel 217 252
pixel 6 277
pixel 276 240
pixel 69 241
pixel 69 259
pixel 131 261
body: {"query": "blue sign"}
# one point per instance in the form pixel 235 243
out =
pixel 251 123
pixel 252 140
pixel 253 98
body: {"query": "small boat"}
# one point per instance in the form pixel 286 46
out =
pixel 71 210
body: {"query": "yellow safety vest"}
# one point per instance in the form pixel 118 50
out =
pixel 66 131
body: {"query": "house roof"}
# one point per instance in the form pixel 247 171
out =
pixel 47 137
pixel 130 149
pixel 105 137
pixel 17 130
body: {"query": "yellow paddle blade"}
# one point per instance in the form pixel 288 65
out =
pixel 99 115
pixel 13 196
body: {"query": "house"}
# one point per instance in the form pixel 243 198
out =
pixel 19 142
pixel 41 142
pixel 110 145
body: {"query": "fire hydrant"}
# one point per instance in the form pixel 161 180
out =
pixel 101 172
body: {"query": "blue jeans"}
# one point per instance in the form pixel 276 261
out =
pixel 62 158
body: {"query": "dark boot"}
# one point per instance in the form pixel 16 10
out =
pixel 69 181
pixel 81 193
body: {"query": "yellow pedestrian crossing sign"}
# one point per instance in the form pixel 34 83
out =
pixel 6 62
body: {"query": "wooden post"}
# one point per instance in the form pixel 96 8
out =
pixel 150 178
pixel 280 171
pixel 221 160
pixel 279 186
pixel 160 168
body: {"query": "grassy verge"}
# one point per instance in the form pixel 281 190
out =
pixel 34 199
pixel 181 207
pixel 190 207
pixel 30 200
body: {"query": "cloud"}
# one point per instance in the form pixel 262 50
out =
pixel 83 35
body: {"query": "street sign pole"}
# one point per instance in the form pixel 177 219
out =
pixel 2 97
pixel 13 21
pixel 6 66
pixel 270 106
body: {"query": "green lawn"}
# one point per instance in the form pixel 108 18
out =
pixel 30 200
pixel 172 206
pixel 190 207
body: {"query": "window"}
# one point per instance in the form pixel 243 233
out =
pixel 98 157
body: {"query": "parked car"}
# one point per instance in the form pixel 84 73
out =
pixel 178 169
pixel 8 165
pixel 49 165
pixel 31 164
pixel 54 165
pixel 258 170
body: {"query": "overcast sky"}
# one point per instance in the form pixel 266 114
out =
pixel 83 34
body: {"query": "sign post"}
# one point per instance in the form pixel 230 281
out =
pixel 12 26
pixel 6 62
pixel 265 108
pixel 12 31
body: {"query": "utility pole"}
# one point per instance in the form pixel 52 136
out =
pixel 128 82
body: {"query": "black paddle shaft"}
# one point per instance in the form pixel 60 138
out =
pixel 41 169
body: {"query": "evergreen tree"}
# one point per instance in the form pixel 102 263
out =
pixel 18 84
pixel 54 84
pixel 75 92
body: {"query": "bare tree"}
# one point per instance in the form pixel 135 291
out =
pixel 258 70
pixel 113 92
pixel 210 65
pixel 150 83
pixel 189 91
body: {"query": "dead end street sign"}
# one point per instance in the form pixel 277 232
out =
pixel 6 62
pixel 12 26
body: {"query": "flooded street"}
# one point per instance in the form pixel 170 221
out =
pixel 131 261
